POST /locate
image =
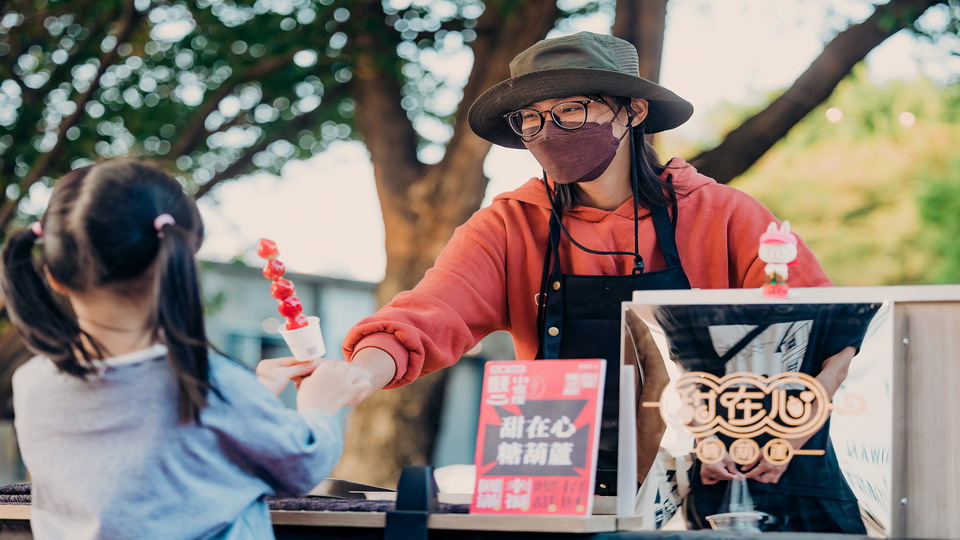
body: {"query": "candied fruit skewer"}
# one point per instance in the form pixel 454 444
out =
pixel 282 289
pixel 302 334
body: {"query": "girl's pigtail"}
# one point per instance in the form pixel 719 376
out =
pixel 180 318
pixel 40 319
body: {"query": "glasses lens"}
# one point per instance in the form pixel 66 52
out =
pixel 570 115
pixel 525 122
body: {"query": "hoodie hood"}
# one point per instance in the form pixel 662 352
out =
pixel 686 180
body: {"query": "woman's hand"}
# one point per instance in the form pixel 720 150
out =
pixel 370 364
pixel 765 472
pixel 331 385
pixel 720 471
pixel 277 373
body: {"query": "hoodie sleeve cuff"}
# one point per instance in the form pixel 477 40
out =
pixel 388 343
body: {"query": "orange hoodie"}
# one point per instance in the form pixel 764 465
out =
pixel 487 276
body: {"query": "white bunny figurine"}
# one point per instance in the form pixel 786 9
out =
pixel 778 248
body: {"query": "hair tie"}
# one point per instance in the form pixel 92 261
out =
pixel 37 229
pixel 160 221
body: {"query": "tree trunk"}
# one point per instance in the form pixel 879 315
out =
pixel 743 146
pixel 643 24
pixel 422 205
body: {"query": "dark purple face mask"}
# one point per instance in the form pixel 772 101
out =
pixel 578 155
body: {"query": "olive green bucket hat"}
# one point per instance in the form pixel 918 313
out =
pixel 582 63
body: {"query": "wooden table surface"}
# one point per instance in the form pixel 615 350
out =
pixel 377 520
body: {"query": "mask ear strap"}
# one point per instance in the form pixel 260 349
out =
pixel 628 127
pixel 638 265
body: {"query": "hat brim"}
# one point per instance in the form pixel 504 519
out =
pixel 666 109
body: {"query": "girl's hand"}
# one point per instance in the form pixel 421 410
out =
pixel 277 373
pixel 331 385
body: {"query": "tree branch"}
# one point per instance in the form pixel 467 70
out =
pixel 196 131
pixel 501 35
pixel 37 17
pixel 387 130
pixel 94 33
pixel 743 146
pixel 242 164
pixel 127 23
pixel 16 49
pixel 238 167
pixel 31 95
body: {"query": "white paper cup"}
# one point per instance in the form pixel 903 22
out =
pixel 306 342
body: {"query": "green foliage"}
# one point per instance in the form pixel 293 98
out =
pixel 939 203
pixel 941 24
pixel 212 89
pixel 849 186
pixel 193 85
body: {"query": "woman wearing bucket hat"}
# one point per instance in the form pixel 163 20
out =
pixel 552 261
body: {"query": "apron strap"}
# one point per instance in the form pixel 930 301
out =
pixel 665 236
pixel 550 303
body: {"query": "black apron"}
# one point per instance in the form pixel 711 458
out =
pixel 582 318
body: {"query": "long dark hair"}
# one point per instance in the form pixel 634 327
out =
pixel 98 231
pixel 650 190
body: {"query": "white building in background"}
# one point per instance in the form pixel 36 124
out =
pixel 242 322
pixel 242 318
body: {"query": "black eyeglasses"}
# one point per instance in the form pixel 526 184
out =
pixel 567 115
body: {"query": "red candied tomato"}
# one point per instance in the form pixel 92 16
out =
pixel 274 270
pixel 290 307
pixel 298 321
pixel 282 288
pixel 267 249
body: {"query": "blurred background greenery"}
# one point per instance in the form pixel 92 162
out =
pixel 871 180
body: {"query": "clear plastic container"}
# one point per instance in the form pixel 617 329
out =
pixel 738 521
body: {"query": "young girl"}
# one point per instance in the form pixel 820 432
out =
pixel 128 426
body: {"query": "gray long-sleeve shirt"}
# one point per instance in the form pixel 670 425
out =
pixel 109 459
